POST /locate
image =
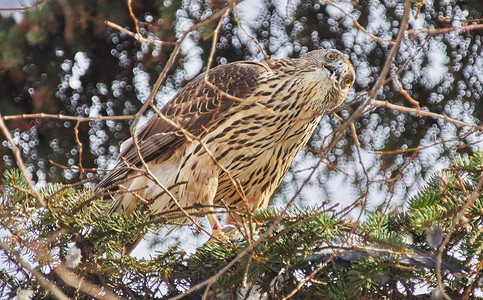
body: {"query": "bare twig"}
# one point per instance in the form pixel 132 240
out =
pixel 357 24
pixel 136 21
pixel 359 111
pixel 389 105
pixel 84 285
pixel 172 59
pixel 461 20
pixel 76 132
pixel 380 81
pixel 237 21
pixel 471 286
pixel 44 282
pixel 406 95
pixel 64 117
pixel 445 30
pixel 150 103
pixel 18 156
pixel 372 93
pixel 137 36
pixel 460 218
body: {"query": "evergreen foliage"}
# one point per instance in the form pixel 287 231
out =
pixel 334 257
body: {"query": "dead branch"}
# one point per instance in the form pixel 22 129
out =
pixel 445 30
pixel 18 156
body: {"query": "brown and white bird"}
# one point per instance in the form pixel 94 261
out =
pixel 228 137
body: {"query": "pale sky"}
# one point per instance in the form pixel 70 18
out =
pixel 9 4
pixel 15 3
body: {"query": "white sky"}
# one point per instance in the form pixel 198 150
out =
pixel 15 3
pixel 10 4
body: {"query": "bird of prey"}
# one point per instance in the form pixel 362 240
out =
pixel 228 137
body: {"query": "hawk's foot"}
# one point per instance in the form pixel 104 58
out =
pixel 228 234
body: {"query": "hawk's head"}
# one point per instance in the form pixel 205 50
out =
pixel 333 71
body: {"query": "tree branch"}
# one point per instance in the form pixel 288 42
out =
pixel 18 156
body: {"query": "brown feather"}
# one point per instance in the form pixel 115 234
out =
pixel 228 141
pixel 195 107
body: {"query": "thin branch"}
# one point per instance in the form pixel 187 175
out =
pixel 389 105
pixel 249 248
pixel 357 24
pixel 470 287
pixel 14 9
pixel 358 112
pixel 76 133
pixel 460 218
pixel 380 81
pixel 406 95
pixel 445 30
pixel 18 156
pixel 64 117
pixel 309 278
pixel 137 36
pixel 131 13
pixel 172 58
pixel 238 22
pixel 44 282
pixel 394 49
pixel 84 285
pixel 441 142
pixel 150 102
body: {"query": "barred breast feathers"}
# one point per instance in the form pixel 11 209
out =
pixel 194 108
pixel 242 110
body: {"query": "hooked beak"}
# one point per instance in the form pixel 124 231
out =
pixel 335 70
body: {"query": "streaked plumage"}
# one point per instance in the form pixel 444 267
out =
pixel 251 125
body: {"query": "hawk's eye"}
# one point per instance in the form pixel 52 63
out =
pixel 330 56
pixel 347 81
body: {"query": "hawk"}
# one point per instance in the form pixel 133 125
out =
pixel 228 137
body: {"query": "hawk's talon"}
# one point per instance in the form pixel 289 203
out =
pixel 226 234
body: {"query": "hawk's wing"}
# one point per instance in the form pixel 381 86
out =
pixel 195 107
